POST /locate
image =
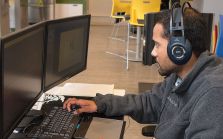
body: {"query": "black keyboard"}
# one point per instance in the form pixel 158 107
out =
pixel 59 123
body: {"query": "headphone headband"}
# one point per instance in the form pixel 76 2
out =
pixel 176 19
pixel 179 48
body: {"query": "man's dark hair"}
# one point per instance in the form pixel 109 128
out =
pixel 195 28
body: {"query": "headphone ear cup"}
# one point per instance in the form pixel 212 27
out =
pixel 179 50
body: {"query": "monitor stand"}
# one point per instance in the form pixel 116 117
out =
pixel 33 117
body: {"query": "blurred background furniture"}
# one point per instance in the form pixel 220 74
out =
pixel 119 14
pixel 137 11
pixel 120 9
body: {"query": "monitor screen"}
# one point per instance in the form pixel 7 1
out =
pixel 22 72
pixel 67 46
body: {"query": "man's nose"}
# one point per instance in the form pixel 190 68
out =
pixel 153 53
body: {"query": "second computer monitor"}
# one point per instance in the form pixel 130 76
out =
pixel 67 47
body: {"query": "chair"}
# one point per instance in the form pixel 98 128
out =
pixel 140 7
pixel 119 11
pixel 137 11
pixel 119 6
pixel 149 130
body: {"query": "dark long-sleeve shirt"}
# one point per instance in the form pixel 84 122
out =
pixel 193 110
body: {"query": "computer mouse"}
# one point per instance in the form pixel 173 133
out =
pixel 74 107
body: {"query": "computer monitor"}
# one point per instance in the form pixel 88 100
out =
pixel 22 56
pixel 1 100
pixel 67 47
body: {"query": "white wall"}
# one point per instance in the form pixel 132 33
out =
pixel 215 6
pixel 100 11
pixel 209 6
pixel 100 7
pixel 198 4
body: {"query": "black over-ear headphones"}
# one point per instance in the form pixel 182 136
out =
pixel 179 48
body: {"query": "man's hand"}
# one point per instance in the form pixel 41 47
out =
pixel 86 105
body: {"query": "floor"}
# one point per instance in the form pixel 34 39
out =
pixel 104 68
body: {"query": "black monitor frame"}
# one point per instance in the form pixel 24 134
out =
pixel 1 92
pixel 71 74
pixel 3 40
pixel 43 25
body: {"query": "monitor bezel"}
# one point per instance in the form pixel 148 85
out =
pixel 3 41
pixel 1 93
pixel 68 76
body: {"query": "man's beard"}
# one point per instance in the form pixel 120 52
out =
pixel 166 72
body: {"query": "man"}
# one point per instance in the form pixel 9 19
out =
pixel 188 103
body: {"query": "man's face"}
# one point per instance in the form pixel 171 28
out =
pixel 159 52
